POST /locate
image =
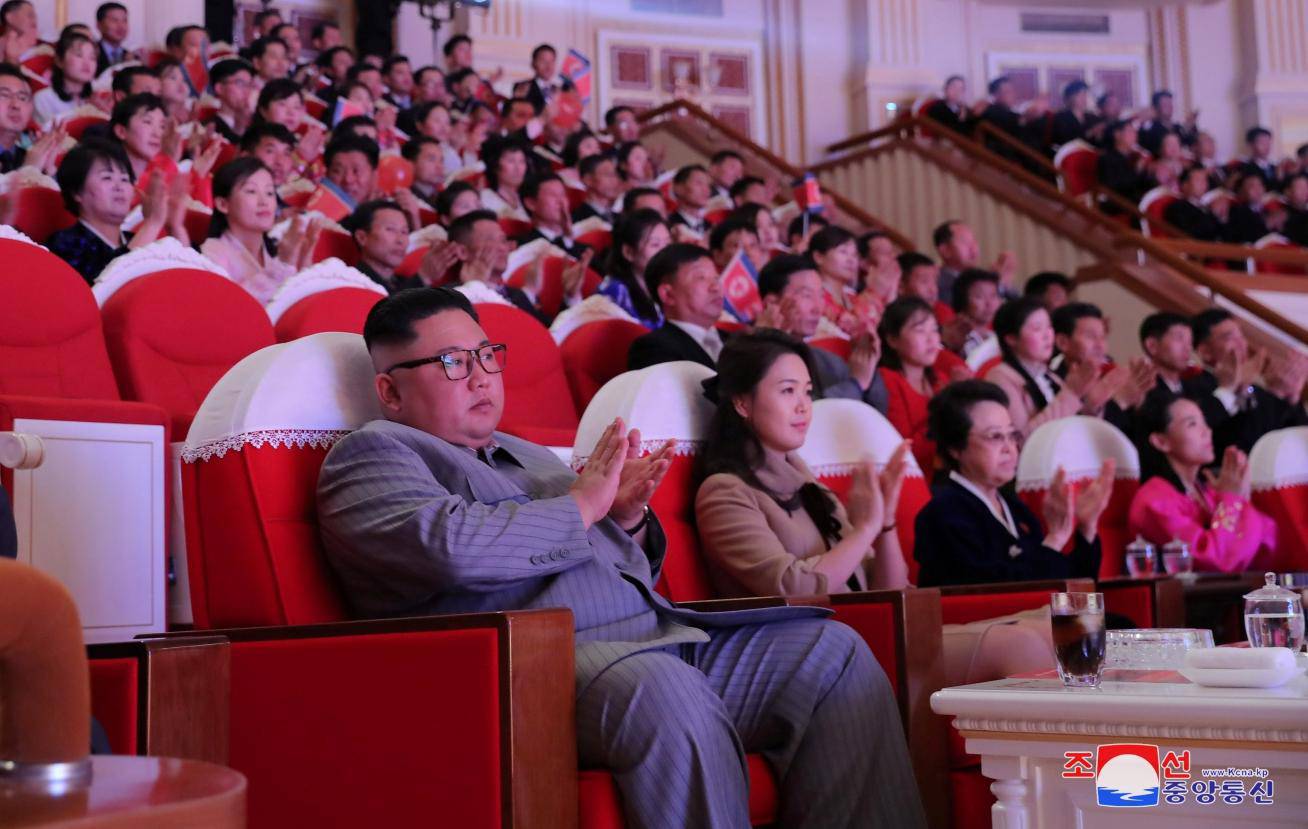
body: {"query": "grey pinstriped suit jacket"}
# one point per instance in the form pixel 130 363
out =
pixel 415 525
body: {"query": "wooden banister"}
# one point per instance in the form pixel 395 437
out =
pixel 674 114
pixel 1229 252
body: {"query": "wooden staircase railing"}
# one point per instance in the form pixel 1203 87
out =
pixel 694 126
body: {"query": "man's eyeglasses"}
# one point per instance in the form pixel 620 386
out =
pixel 998 438
pixel 458 363
pixel 22 97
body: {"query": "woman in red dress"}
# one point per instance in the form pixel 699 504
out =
pixel 910 337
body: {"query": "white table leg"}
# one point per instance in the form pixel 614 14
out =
pixel 1012 809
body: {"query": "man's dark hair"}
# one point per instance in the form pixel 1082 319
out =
pixel 412 147
pixel 743 184
pixel 949 415
pixel 326 56
pixel 1203 323
pixel 951 79
pixel 1117 127
pixel 612 113
pixel 910 260
pixel 260 17
pixel 391 320
pixel 1255 133
pixel 1075 87
pixel 665 265
pixel 355 70
pixel 177 34
pixel 349 126
pixel 278 89
pixel 352 144
pixel 8 70
pixel 128 107
pixel 732 224
pixel 944 232
pixel 636 193
pixel 998 83
pixel 320 29
pixel 392 62
pixel 776 274
pixel 1301 151
pixel 722 155
pixel 963 285
pixel 506 106
pixel 260 46
pixel 683 175
pixel 1066 317
pixel 265 129
pixel 452 44
pixel 124 77
pixel 1158 324
pixel 276 32
pixel 361 218
pixel 446 198
pixel 544 47
pixel 588 165
pixel 796 227
pixel 76 166
pixel 460 230
pixel 456 77
pixel 530 188
pixel 865 242
pixel 226 68
pixel 1157 97
pixel 103 10
pixel 1039 284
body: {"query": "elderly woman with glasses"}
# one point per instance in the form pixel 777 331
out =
pixel 972 531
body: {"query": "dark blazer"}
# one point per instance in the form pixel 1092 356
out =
pixel 666 344
pixel 1119 174
pixel 393 285
pixel 585 211
pixel 8 532
pixel 1244 225
pixel 1296 226
pixel 1194 220
pixel 522 302
pixel 1262 413
pixel 1266 171
pixel 569 246
pixel 102 61
pixel 86 252
pixel 1067 128
pixel 960 122
pixel 1152 134
pixel 531 91
pixel 960 542
pixel 222 129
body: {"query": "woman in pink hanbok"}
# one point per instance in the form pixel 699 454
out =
pixel 1182 499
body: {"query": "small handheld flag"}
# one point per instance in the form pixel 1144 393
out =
pixel 329 201
pixel 808 195
pixel 346 108
pixel 740 287
pixel 576 68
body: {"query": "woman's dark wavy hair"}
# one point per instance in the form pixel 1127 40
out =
pixel 630 231
pixel 1009 319
pixel 66 42
pixel 732 447
pixel 227 179
pixel 896 317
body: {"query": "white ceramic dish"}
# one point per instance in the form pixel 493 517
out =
pixel 1228 678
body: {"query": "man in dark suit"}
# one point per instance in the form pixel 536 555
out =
pixel 1121 167
pixel 693 187
pixel 433 510
pixel 951 110
pixel 1163 122
pixel 231 79
pixel 546 198
pixel 111 20
pixel 1237 409
pixel 484 254
pixel 545 82
pixel 603 186
pixel 1189 214
pixel 1259 163
pixel 1027 127
pixel 1247 221
pixel 1072 122
pixel 381 230
pixel 687 285
pixel 1296 210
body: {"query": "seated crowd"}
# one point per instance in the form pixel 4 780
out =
pixel 432 509
pixel 1151 152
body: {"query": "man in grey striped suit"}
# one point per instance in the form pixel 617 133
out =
pixel 432 510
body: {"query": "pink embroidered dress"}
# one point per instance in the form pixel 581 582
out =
pixel 1224 531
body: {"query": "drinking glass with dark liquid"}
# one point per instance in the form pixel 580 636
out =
pixel 1079 637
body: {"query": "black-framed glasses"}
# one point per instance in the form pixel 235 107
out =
pixel 458 363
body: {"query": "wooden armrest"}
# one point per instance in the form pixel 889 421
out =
pixel 1168 596
pixel 1050 585
pixel 183 694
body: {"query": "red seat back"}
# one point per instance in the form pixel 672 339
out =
pixel 340 309
pixel 838 346
pixel 549 293
pixel 51 340
pixel 250 477
pixel 538 405
pixel 335 243
pixel 1078 163
pixel 173 333
pixel 39 212
pixel 594 354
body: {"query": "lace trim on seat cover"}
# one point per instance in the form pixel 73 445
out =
pixel 290 438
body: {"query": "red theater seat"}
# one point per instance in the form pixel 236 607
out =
pixel 537 403
pixel 39 212
pixel 335 243
pixel 1278 468
pixel 1078 167
pixel 549 293
pixel 1080 445
pixel 342 309
pixel 1153 206
pixel 174 333
pixel 594 354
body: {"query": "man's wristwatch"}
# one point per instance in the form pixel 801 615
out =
pixel 640 525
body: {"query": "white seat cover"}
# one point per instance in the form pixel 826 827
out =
pixel 665 402
pixel 308 392
pixel 983 353
pixel 594 308
pixel 327 275
pixel 1279 460
pixel 163 255
pixel 1079 445
pixel 844 433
